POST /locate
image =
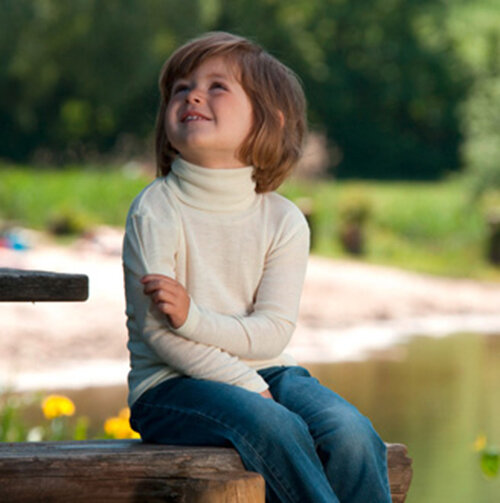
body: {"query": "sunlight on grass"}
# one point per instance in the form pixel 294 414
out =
pixel 427 227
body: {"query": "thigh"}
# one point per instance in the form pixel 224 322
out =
pixel 187 411
pixel 352 453
pixel 270 438
pixel 322 409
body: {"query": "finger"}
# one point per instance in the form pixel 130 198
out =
pixel 164 296
pixel 267 394
pixel 152 277
pixel 166 308
pixel 155 285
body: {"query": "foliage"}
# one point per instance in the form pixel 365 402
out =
pixel 474 30
pixel 54 423
pixel 482 148
pixel 430 227
pixel 81 197
pixel 385 98
pixel 354 207
pixel 489 456
pixel 427 227
pixel 392 83
pixel 81 76
pixel 12 428
pixel 56 410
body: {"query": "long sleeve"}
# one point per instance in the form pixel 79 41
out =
pixel 265 332
pixel 150 247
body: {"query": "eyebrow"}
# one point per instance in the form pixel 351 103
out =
pixel 214 75
pixel 217 76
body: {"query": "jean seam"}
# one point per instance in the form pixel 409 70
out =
pixel 207 417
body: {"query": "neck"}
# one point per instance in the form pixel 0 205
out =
pixel 213 189
pixel 214 162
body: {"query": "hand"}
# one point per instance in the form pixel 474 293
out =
pixel 267 394
pixel 169 296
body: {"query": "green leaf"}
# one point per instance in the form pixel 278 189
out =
pixel 81 428
pixel 490 462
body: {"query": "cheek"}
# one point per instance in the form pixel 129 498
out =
pixel 250 116
pixel 169 123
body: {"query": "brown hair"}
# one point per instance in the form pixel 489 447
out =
pixel 274 143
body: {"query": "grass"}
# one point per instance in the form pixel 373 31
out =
pixel 94 195
pixel 427 227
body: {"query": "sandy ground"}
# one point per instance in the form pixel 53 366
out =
pixel 348 309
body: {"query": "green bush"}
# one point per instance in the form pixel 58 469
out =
pixel 428 227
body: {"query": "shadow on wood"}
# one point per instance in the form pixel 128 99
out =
pixel 130 471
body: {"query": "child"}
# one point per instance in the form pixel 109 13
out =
pixel 214 265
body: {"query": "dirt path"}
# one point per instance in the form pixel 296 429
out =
pixel 347 308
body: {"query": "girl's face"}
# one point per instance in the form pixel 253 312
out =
pixel 209 115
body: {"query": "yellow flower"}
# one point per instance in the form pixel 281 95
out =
pixel 57 405
pixel 119 426
pixel 480 442
pixel 124 414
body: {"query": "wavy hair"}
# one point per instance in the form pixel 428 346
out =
pixel 274 144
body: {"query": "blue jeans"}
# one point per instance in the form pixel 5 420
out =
pixel 309 444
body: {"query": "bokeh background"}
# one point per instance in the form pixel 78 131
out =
pixel 401 89
pixel 401 169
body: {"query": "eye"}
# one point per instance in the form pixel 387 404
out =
pixel 179 88
pixel 218 85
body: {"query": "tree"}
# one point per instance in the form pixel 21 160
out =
pixel 78 75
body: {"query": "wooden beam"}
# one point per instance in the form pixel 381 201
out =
pixel 400 471
pixel 124 471
pixel 129 471
pixel 17 285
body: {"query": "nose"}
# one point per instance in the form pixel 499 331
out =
pixel 194 96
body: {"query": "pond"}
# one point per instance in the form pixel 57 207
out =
pixel 433 394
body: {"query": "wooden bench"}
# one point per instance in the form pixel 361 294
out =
pixel 130 471
pixel 18 285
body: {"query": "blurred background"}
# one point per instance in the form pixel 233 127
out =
pixel 400 181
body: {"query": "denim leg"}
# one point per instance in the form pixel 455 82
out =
pixel 353 455
pixel 270 439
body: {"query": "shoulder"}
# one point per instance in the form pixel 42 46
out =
pixel 281 209
pixel 154 210
pixel 285 222
pixel 154 201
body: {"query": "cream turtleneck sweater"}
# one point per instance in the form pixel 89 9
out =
pixel 241 256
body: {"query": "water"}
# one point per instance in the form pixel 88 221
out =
pixel 433 394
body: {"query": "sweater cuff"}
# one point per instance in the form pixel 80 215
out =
pixel 192 320
pixel 255 384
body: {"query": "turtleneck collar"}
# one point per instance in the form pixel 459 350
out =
pixel 213 189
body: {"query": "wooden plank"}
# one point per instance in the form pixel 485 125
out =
pixel 400 471
pixel 17 285
pixel 229 487
pixel 125 471
pixel 116 458
pixel 128 470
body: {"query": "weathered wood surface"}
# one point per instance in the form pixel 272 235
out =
pixel 400 471
pixel 130 471
pixel 125 471
pixel 17 285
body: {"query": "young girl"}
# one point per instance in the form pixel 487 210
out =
pixel 214 265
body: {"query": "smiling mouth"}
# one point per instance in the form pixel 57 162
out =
pixel 192 117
